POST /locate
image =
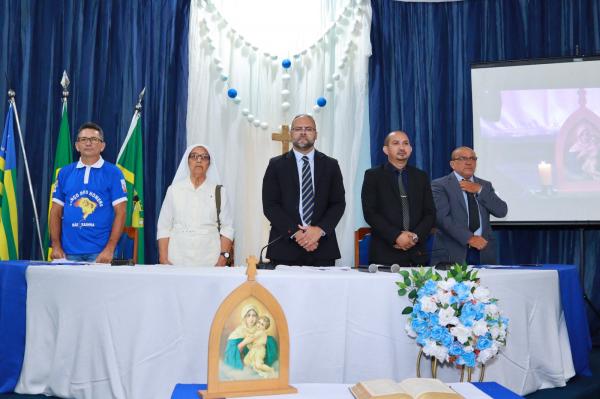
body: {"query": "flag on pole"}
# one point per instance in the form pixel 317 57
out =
pixel 131 163
pixel 9 226
pixel 62 157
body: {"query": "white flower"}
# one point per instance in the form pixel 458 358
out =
pixel 446 285
pixel 428 304
pixel 486 354
pixel 409 330
pixel 443 297
pixel 440 352
pixel 446 316
pixel 495 332
pixel 470 284
pixel 492 311
pixel 480 327
pixel 482 294
pixel 461 333
pixel 468 348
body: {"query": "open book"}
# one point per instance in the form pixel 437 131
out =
pixel 411 388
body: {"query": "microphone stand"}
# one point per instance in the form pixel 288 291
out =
pixel 261 263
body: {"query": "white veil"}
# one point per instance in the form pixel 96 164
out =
pixel 183 171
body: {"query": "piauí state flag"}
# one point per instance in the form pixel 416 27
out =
pixel 62 157
pixel 9 225
pixel 131 163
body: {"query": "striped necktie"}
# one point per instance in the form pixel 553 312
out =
pixel 308 195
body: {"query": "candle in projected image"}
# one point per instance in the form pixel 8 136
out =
pixel 545 172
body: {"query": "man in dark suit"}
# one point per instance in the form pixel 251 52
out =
pixel 464 203
pixel 398 205
pixel 303 198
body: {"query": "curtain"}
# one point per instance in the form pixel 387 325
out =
pixel 245 47
pixel 111 50
pixel 419 81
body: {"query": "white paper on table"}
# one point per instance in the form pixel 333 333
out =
pixel 468 390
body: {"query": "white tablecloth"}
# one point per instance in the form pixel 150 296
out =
pixel 134 332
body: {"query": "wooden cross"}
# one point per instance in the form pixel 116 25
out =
pixel 251 261
pixel 284 137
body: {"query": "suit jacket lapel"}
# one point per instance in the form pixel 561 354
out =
pixel 292 167
pixel 318 172
pixel 393 181
pixel 457 192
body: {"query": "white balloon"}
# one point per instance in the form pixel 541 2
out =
pixel 316 108
pixel 336 76
pixel 250 118
pixel 274 57
pixel 256 123
pixel 329 87
pixel 224 77
pixel 341 66
pixel 285 105
pixel 218 67
pixel 237 100
pixel 285 76
pixel 264 125
pixel 217 60
pixel 245 111
pixel 254 48
pixel 285 93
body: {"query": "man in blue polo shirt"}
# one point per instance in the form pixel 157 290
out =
pixel 90 198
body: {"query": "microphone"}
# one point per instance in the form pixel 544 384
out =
pixel 372 268
pixel 261 263
pixel 395 268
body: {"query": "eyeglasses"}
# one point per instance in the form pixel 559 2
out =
pixel 307 129
pixel 199 157
pixel 91 140
pixel 465 159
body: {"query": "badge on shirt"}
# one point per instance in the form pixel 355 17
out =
pixel 124 186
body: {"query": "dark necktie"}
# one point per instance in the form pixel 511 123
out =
pixel 404 203
pixel 308 195
pixel 473 211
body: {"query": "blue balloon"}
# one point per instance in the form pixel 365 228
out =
pixel 232 93
pixel 286 63
pixel 321 101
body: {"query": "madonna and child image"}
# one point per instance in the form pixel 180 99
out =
pixel 249 344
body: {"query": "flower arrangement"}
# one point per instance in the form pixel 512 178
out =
pixel 453 318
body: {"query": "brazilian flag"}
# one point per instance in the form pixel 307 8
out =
pixel 130 161
pixel 62 157
pixel 9 226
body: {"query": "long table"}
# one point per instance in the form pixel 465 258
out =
pixel 135 332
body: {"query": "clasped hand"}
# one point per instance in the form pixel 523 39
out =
pixel 405 241
pixel 308 237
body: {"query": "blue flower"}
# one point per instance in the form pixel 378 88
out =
pixel 470 313
pixel 455 349
pixel 468 359
pixel 419 325
pixel 437 333
pixel 484 342
pixel 434 320
pixel 447 339
pixel 462 291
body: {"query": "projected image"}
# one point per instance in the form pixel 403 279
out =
pixel 539 146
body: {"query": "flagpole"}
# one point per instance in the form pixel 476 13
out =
pixel 138 111
pixel 11 99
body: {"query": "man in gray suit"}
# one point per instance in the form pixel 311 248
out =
pixel 463 206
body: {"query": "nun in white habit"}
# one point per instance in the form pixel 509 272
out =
pixel 187 230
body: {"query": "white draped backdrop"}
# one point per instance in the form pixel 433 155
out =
pixel 241 44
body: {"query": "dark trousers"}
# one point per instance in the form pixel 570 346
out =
pixel 473 256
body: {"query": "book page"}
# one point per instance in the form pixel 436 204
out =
pixel 382 387
pixel 418 387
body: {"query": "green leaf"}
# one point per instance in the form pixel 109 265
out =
pixel 407 310
pixel 402 291
pixel 412 294
pixel 407 280
pixel 404 274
